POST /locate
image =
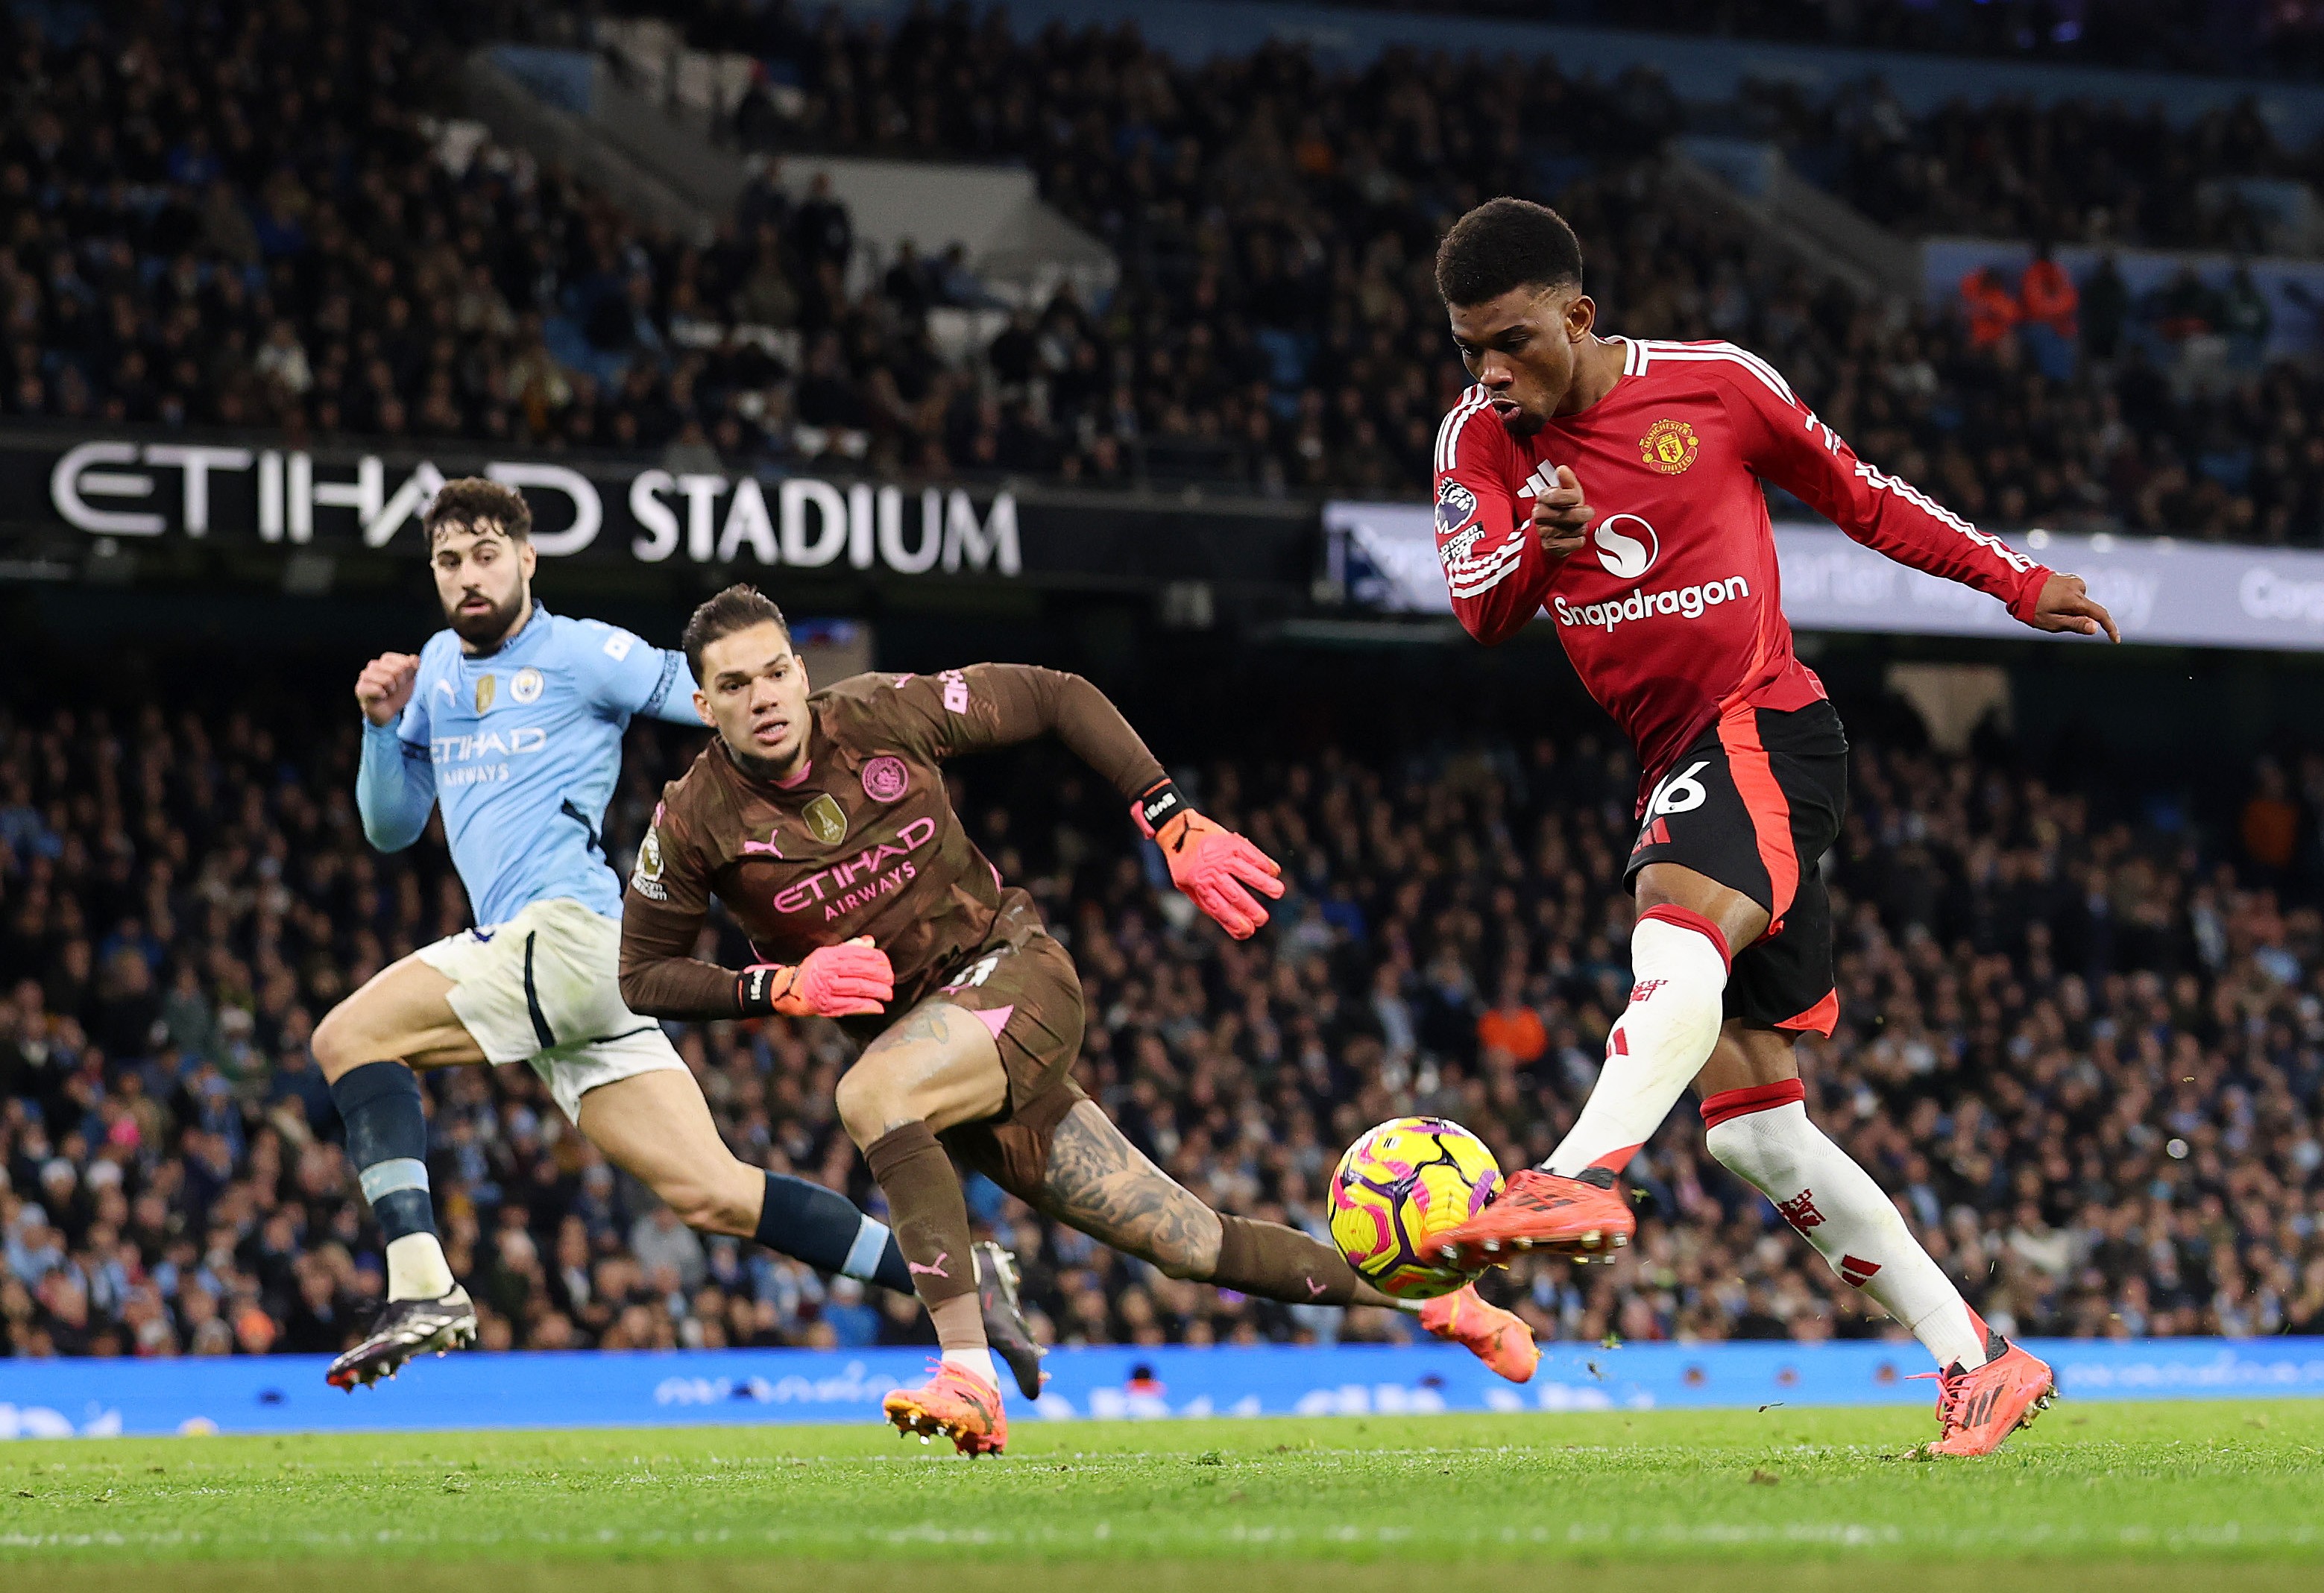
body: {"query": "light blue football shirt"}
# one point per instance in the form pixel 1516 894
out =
pixel 522 747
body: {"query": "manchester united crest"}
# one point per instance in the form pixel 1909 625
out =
pixel 1669 446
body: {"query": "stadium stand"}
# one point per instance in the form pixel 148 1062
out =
pixel 1324 207
pixel 343 261
pixel 2070 172
pixel 2081 1044
pixel 2081 1037
pixel 2166 35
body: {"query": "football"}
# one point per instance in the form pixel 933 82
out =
pixel 1398 1185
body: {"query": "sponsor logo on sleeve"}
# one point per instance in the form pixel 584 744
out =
pixel 618 644
pixel 1456 506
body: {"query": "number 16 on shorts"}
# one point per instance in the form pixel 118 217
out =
pixel 1679 792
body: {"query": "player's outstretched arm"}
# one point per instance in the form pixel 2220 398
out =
pixel 396 784
pixel 987 705
pixel 1785 443
pixel 1219 871
pixel 997 704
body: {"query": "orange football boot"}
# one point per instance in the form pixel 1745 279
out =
pixel 1981 1406
pixel 1540 1211
pixel 957 1403
pixel 1500 1339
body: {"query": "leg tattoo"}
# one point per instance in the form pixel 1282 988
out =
pixel 1101 1183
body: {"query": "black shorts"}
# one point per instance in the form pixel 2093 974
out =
pixel 1755 802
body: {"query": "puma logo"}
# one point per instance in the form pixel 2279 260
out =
pixel 1315 1289
pixel 766 847
pixel 933 1269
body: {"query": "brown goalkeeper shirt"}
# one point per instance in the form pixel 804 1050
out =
pixel 863 841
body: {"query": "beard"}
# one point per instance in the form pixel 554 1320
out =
pixel 485 632
pixel 751 764
pixel 759 767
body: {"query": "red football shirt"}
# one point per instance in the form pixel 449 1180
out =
pixel 1672 612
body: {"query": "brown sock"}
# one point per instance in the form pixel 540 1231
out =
pixel 960 1323
pixel 927 1210
pixel 1279 1263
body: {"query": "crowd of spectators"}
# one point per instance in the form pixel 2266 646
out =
pixel 2081 1041
pixel 1276 224
pixel 2278 39
pixel 239 240
pixel 259 215
pixel 2071 171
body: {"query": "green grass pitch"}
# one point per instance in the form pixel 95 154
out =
pixel 2119 1497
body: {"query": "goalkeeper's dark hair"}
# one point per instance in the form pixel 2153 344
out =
pixel 474 503
pixel 1505 244
pixel 737 608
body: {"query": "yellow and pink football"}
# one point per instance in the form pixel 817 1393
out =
pixel 1400 1185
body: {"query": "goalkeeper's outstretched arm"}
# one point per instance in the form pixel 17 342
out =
pixel 999 703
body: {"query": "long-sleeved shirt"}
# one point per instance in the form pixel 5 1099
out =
pixel 862 841
pixel 1672 612
pixel 522 747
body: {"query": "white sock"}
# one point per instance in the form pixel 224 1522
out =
pixel 1678 962
pixel 415 1268
pixel 1835 1206
pixel 979 1361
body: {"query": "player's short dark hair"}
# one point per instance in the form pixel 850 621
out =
pixel 738 608
pixel 1505 244
pixel 472 503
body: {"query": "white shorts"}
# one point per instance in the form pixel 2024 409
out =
pixel 545 987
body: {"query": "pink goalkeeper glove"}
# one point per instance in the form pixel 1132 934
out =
pixel 830 981
pixel 1209 863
